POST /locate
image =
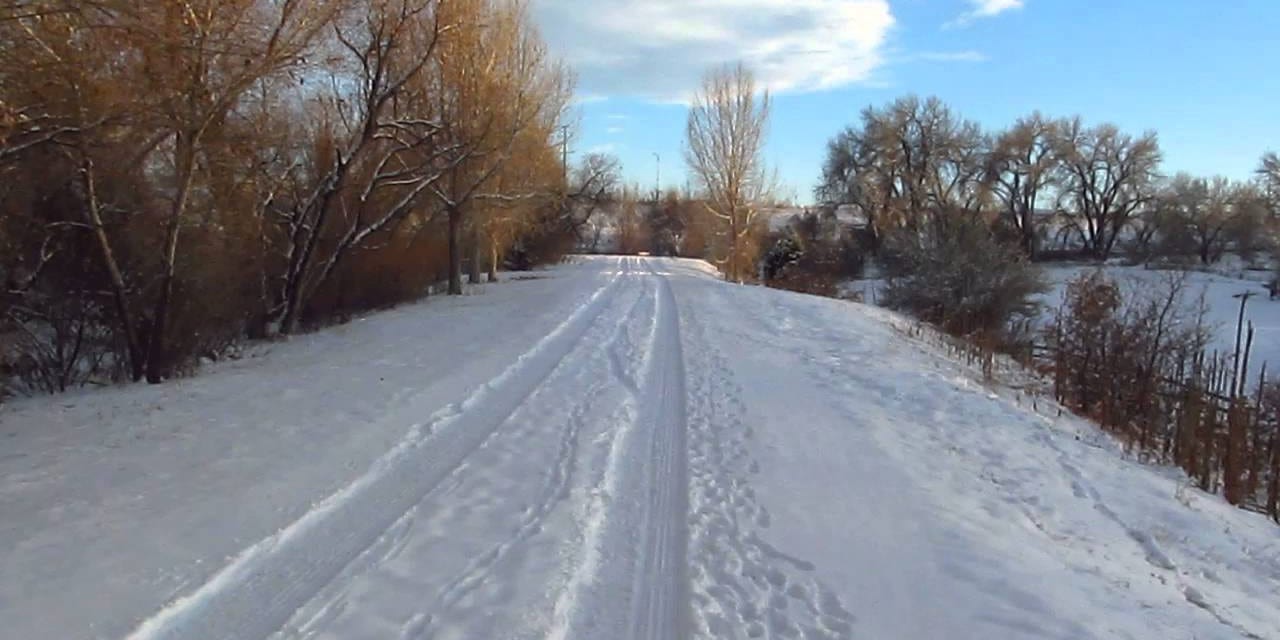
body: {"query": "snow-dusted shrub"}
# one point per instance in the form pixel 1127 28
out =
pixel 812 255
pixel 782 253
pixel 954 273
pixel 57 343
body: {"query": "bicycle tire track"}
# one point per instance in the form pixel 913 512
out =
pixel 632 582
pixel 555 490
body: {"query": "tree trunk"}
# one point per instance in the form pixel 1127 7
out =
pixel 493 261
pixel 304 241
pixel 733 245
pixel 1030 241
pixel 157 365
pixel 473 248
pixel 455 252
pixel 137 364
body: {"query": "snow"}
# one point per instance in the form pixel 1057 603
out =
pixel 1218 289
pixel 627 448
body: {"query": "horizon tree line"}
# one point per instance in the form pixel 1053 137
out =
pixel 1094 187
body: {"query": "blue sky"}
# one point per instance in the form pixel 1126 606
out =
pixel 1205 74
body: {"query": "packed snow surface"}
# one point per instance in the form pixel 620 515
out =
pixel 620 448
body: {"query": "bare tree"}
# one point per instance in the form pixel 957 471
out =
pixel 1253 227
pixel 1269 178
pixel 906 163
pixel 519 202
pixel 66 106
pixel 1107 177
pixel 1197 215
pixel 379 149
pixel 725 137
pixel 177 175
pixel 1021 171
pixel 632 232
pixel 594 184
pixel 1269 175
pixel 852 174
pixel 496 80
pixel 202 56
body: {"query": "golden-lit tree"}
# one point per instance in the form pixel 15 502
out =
pixel 496 81
pixel 725 138
pixel 224 169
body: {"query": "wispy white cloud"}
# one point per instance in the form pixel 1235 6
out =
pixel 659 49
pixel 614 130
pixel 947 56
pixel 589 98
pixel 983 9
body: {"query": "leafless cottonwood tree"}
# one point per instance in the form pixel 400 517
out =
pixel 1269 185
pixel 524 200
pixel 56 113
pixel 202 56
pixel 1269 175
pixel 1021 172
pixel 725 136
pixel 906 163
pixel 1203 216
pixel 1107 178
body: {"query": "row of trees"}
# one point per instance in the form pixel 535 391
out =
pixel 1093 188
pixel 175 176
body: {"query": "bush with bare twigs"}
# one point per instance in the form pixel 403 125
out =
pixel 954 273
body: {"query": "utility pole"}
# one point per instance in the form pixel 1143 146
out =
pixel 564 154
pixel 1237 373
pixel 657 183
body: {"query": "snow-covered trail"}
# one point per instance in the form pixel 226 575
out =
pixel 624 448
pixel 114 503
pixel 384 557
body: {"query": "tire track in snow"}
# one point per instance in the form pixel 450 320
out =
pixel 261 588
pixel 660 583
pixel 631 583
pixel 552 493
pixel 314 618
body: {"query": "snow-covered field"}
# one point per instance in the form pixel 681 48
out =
pixel 1218 289
pixel 624 449
pixel 1223 310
